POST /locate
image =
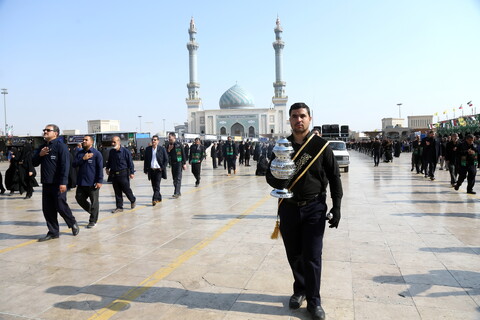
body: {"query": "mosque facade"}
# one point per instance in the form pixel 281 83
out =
pixel 237 115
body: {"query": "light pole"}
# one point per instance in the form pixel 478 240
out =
pixel 399 112
pixel 164 133
pixel 5 92
pixel 140 120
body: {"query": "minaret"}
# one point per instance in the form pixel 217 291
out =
pixel 279 99
pixel 193 100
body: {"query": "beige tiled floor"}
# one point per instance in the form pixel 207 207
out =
pixel 407 248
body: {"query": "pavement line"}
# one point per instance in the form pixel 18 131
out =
pixel 123 301
pixel 111 216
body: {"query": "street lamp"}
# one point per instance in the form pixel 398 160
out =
pixel 399 112
pixel 140 119
pixel 5 92
pixel 164 128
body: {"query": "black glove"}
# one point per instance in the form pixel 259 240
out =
pixel 335 220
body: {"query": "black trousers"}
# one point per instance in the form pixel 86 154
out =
pixel 196 169
pixel 376 157
pixel 89 192
pixel 231 164
pixel 177 177
pixel 54 201
pixel 155 179
pixel 452 169
pixel 463 171
pixel 214 162
pixel 2 188
pixel 121 183
pixel 302 231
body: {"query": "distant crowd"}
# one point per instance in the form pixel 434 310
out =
pixel 455 153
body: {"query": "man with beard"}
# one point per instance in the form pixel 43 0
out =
pixel 178 162
pixel 155 166
pixel 54 157
pixel 230 152
pixel 197 154
pixel 451 158
pixel 89 162
pixel 429 155
pixel 467 162
pixel 302 217
pixel 121 169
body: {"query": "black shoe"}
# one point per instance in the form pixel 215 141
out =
pixel 28 196
pixel 432 178
pixel 296 301
pixel 471 192
pixel 197 183
pixel 316 312
pixel 47 237
pixel 2 192
pixel 91 225
pixel 75 229
pixel 133 205
pixel 117 210
pixel 456 187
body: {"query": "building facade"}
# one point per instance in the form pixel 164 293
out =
pixel 237 114
pixel 95 126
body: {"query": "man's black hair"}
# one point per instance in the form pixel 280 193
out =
pixel 298 105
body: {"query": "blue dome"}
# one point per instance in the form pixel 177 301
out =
pixel 236 97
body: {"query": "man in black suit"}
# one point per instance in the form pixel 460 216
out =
pixel 155 167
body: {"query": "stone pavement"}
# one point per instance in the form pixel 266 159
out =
pixel 406 248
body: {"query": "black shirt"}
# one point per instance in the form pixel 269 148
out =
pixel 315 181
pixel 55 164
pixel 120 160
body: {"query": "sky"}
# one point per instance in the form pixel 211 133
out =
pixel 352 62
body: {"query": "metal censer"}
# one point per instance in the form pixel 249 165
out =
pixel 282 167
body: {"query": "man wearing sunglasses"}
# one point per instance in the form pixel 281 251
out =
pixel 55 161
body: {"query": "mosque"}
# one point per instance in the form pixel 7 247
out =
pixel 237 115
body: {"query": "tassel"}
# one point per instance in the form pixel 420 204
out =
pixel 276 231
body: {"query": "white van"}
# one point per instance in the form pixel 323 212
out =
pixel 341 154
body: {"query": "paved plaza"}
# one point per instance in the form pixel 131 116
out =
pixel 406 248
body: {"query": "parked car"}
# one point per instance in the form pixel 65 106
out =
pixel 341 154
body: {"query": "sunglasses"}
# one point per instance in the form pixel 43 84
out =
pixel 48 130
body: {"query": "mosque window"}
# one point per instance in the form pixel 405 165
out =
pixel 272 118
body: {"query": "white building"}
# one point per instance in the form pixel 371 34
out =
pixel 392 123
pixel 95 126
pixel 419 122
pixel 237 115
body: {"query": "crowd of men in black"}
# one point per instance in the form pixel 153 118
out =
pixel 455 153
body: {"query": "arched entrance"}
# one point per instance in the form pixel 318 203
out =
pixel 237 130
pixel 251 131
pixel 223 131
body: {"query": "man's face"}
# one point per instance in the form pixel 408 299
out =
pixel 197 141
pixel 49 134
pixel 469 141
pixel 229 139
pixel 116 143
pixel 454 138
pixel 154 142
pixel 300 120
pixel 87 143
pixel 171 139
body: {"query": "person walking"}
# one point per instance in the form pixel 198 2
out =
pixel 468 161
pixel 451 158
pixel 303 217
pixel 213 154
pixel 178 162
pixel 120 170
pixel 230 152
pixel 376 152
pixel 197 154
pixel 54 159
pixel 89 162
pixel 155 166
